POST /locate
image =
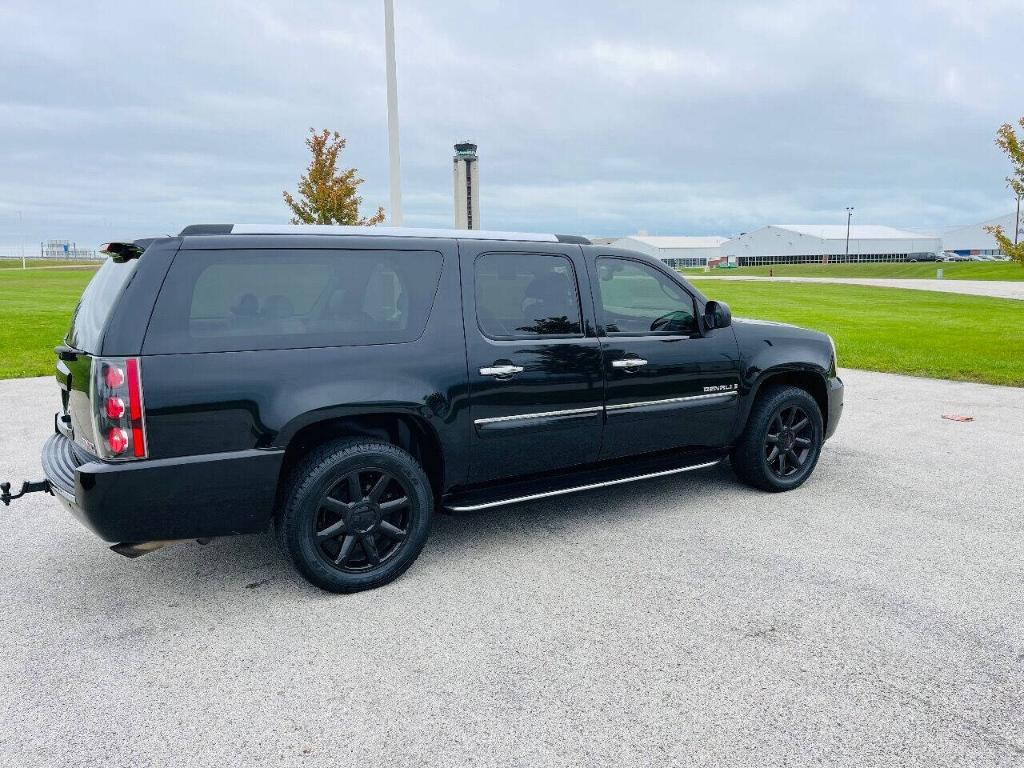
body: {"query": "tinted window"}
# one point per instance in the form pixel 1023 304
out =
pixel 90 316
pixel 637 299
pixel 239 300
pixel 522 294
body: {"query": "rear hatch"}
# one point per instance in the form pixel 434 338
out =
pixel 82 343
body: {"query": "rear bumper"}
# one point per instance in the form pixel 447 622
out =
pixel 835 405
pixel 181 498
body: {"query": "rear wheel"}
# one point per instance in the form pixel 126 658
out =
pixel 780 445
pixel 356 515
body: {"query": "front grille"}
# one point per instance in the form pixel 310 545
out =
pixel 60 462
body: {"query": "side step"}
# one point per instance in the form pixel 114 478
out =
pixel 584 480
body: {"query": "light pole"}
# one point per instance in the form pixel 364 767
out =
pixel 21 238
pixel 395 163
pixel 849 215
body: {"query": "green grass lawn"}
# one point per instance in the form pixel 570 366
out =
pixel 958 270
pixel 35 307
pixel 919 333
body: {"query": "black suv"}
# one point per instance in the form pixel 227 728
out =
pixel 341 383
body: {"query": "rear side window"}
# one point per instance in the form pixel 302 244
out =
pixel 96 304
pixel 224 301
pixel 521 295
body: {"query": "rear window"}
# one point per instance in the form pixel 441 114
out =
pixel 96 304
pixel 224 301
pixel 522 295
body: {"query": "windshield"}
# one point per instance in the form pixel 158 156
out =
pixel 97 301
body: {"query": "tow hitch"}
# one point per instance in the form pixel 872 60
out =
pixel 27 486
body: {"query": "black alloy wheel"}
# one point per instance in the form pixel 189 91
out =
pixel 781 442
pixel 363 520
pixel 789 441
pixel 355 514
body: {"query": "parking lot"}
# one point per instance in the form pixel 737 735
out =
pixel 873 617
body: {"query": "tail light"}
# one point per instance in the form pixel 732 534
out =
pixel 118 412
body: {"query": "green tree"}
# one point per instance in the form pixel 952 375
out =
pixel 1013 145
pixel 327 195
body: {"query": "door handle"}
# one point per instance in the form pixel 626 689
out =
pixel 629 363
pixel 501 371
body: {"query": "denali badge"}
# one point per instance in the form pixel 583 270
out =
pixel 721 388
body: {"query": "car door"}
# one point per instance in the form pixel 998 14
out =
pixel 668 384
pixel 535 374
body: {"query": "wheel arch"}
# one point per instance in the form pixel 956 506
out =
pixel 409 432
pixel 808 379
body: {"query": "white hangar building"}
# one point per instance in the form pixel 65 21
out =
pixel 676 251
pixel 975 241
pixel 826 243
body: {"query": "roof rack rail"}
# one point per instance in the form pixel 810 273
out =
pixel 338 229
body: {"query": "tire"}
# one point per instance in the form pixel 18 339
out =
pixel 346 535
pixel 776 422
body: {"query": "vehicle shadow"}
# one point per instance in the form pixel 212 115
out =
pixel 454 534
pixel 187 572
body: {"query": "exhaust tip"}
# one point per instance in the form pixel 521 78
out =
pixel 138 549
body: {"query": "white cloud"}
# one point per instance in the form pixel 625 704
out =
pixel 678 117
pixel 634 61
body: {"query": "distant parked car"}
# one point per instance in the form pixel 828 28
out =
pixel 951 256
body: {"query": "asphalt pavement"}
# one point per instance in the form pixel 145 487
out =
pixel 873 617
pixel 1003 289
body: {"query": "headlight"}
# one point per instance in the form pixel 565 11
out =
pixel 835 357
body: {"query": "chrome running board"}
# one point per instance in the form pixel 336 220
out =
pixel 577 488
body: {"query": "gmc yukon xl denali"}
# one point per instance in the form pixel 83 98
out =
pixel 339 384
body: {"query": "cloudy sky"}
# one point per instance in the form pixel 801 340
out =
pixel 132 119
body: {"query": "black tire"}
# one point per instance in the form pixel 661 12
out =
pixel 347 540
pixel 777 450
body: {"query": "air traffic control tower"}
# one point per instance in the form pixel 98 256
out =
pixel 465 167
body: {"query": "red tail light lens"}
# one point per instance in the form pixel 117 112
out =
pixel 115 408
pixel 119 414
pixel 114 376
pixel 117 439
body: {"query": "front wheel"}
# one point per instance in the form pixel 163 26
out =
pixel 356 515
pixel 782 440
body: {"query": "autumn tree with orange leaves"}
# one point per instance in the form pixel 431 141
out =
pixel 327 195
pixel 1013 145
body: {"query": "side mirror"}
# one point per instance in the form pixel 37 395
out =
pixel 717 315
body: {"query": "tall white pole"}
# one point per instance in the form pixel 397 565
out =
pixel 21 237
pixel 396 176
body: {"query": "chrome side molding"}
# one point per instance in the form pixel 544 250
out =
pixel 671 400
pixel 572 412
pixel 597 408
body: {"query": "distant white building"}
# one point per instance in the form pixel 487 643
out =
pixel 827 243
pixel 676 251
pixel 973 240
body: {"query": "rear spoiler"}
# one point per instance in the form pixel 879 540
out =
pixel 121 252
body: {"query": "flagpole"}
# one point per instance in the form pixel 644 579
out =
pixel 395 162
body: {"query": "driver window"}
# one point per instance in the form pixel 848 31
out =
pixel 520 295
pixel 638 300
